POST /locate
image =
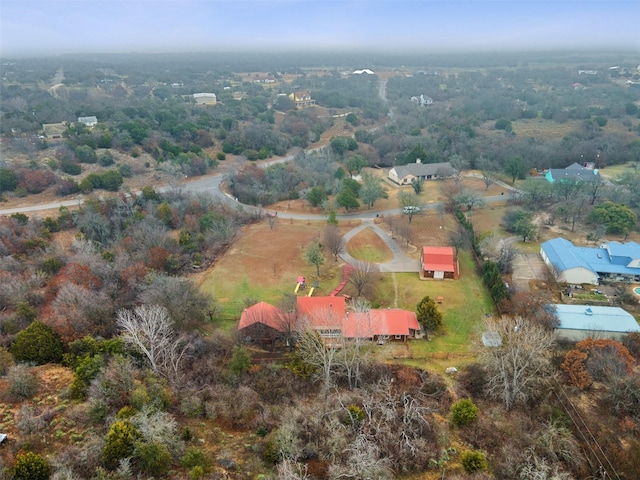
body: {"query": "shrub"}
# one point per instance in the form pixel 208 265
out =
pixel 120 443
pixel 6 361
pixel 31 466
pixel 240 360
pixel 68 166
pixel 126 171
pixel 51 265
pixel 474 379
pixel 601 121
pixel 154 457
pixel 474 461
pixel 111 180
pixel 86 154
pixel 221 156
pixel 8 180
pixel 149 193
pixel 464 412
pixel 106 159
pixel 36 181
pixel 195 457
pixel 22 382
pixel 504 124
pixel 38 343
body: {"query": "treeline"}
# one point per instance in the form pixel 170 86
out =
pixel 129 249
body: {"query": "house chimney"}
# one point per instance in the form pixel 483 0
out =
pixel 418 160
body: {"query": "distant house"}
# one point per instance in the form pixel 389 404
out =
pixel 88 121
pixel 422 100
pixel 573 173
pixel 439 263
pixel 54 130
pixel 205 98
pixel 611 261
pixel 302 98
pixel 264 78
pixel 405 174
pixel 577 322
pixel 329 317
pixel 365 71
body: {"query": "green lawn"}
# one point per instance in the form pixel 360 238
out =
pixel 614 171
pixel 465 301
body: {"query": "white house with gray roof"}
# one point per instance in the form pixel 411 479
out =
pixel 405 174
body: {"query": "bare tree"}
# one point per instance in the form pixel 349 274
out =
pixel 404 231
pixel 334 241
pixel 364 277
pixel 459 238
pixel 409 203
pixel 82 311
pixel 289 469
pixel 505 257
pixel 186 304
pixel 364 461
pixel 519 365
pixel 488 169
pixel 149 329
pixel 469 199
pixel 289 322
pixel 319 346
pixel 355 352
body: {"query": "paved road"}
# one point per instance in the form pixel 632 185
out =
pixel 211 184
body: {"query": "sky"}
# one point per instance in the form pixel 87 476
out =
pixel 49 27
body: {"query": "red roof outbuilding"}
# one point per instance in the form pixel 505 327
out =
pixel 439 259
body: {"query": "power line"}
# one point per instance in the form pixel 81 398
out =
pixel 584 425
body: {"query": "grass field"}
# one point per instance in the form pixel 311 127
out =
pixel 465 302
pixel 614 171
pixel 263 264
pixel 367 246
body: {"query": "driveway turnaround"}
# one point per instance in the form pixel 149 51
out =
pixel 401 262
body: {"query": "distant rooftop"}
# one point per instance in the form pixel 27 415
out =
pixel 584 317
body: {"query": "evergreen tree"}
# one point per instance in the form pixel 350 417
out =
pixel 428 315
pixel 38 343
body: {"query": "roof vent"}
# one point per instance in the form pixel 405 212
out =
pixel 599 255
pixel 588 311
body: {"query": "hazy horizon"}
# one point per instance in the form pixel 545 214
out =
pixel 50 27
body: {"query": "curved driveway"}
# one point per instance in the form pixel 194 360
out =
pixel 401 262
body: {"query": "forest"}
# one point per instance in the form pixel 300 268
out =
pixel 116 364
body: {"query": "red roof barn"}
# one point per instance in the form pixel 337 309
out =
pixel 439 263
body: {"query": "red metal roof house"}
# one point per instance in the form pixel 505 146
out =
pixel 329 317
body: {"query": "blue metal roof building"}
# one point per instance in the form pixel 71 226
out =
pixel 612 261
pixel 578 322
